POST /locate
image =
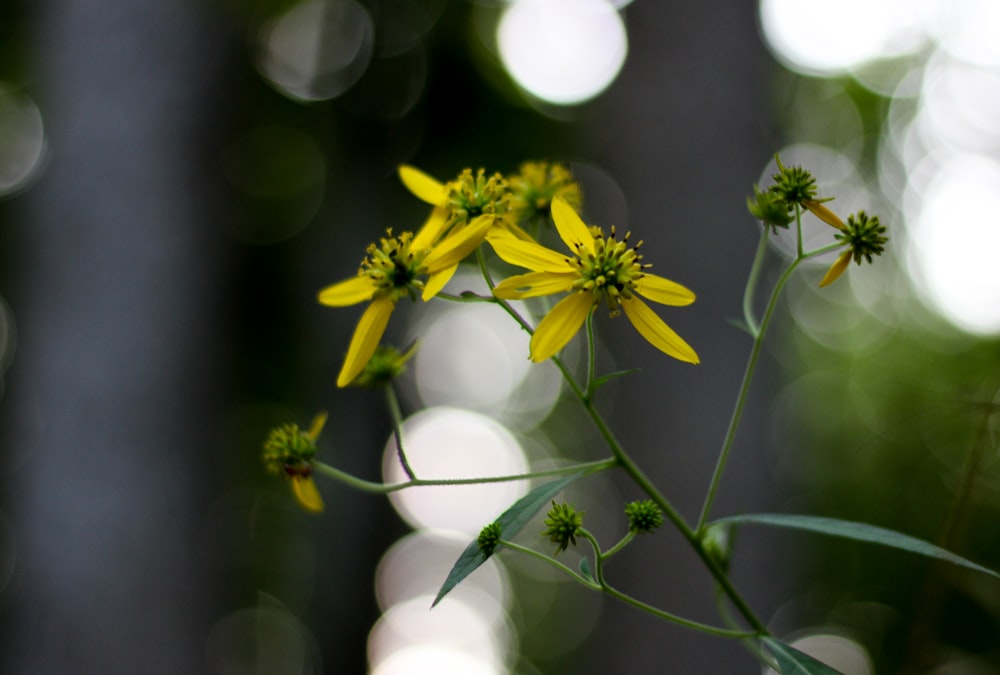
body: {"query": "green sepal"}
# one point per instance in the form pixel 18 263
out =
pixel 847 529
pixel 791 661
pixel 511 522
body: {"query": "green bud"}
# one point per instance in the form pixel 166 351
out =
pixel 563 523
pixel 385 364
pixel 489 539
pixel 768 208
pixel 716 543
pixel 644 516
pixel 793 184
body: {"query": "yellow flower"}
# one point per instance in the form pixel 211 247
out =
pixel 394 269
pixel 289 451
pixel 599 268
pixel 534 187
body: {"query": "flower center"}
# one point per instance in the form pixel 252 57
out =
pixel 394 267
pixel 611 271
pixel 472 196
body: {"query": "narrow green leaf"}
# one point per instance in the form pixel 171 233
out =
pixel 741 324
pixel 604 379
pixel 793 662
pixel 859 532
pixel 585 569
pixel 511 522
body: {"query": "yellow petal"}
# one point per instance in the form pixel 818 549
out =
pixel 516 231
pixel 423 186
pixel 560 325
pixel 571 228
pixel 437 281
pixel 823 213
pixel 348 292
pixel 836 269
pixel 452 249
pixel 370 328
pixel 664 291
pixel 527 253
pixel 656 332
pixel 431 230
pixel 307 494
pixel 317 426
pixel 534 284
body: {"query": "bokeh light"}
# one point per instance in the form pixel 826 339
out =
pixel 262 639
pixel 454 630
pixel 316 50
pixel 435 659
pixel 22 140
pixel 830 37
pixel 417 564
pixel 445 443
pixel 474 356
pixel 966 29
pixel 953 243
pixel 562 51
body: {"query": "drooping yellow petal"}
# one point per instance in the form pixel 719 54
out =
pixel 534 284
pixel 836 269
pixel 423 186
pixel 452 249
pixel 664 291
pixel 307 494
pixel 560 325
pixel 316 428
pixel 437 281
pixel 527 253
pixel 348 292
pixel 823 213
pixel 571 228
pixel 656 332
pixel 369 331
pixel 431 230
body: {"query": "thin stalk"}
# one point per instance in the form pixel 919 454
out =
pixel 591 355
pixel 576 576
pixel 748 373
pixel 752 279
pixel 622 543
pixel 385 488
pixel 397 429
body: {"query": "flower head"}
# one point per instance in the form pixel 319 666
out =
pixel 600 267
pixel 288 452
pixel 489 538
pixel 793 186
pixel 563 523
pixel 644 516
pixel 864 236
pixel 399 266
pixel 534 187
pixel 769 208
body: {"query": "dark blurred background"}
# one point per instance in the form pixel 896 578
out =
pixel 178 180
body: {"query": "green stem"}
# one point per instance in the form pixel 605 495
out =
pixel 623 542
pixel 748 373
pixel 696 625
pixel 397 429
pixel 751 287
pixel 384 488
pixel 591 355
pixel 576 576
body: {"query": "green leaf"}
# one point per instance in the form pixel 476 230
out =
pixel 859 532
pixel 511 522
pixel 793 662
pixel 742 325
pixel 585 569
pixel 604 379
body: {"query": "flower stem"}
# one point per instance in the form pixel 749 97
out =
pixel 386 488
pixel 751 287
pixel 397 426
pixel 573 574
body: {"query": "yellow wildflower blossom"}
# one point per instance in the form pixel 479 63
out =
pixel 599 268
pixel 289 451
pixel 864 237
pixel 394 269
